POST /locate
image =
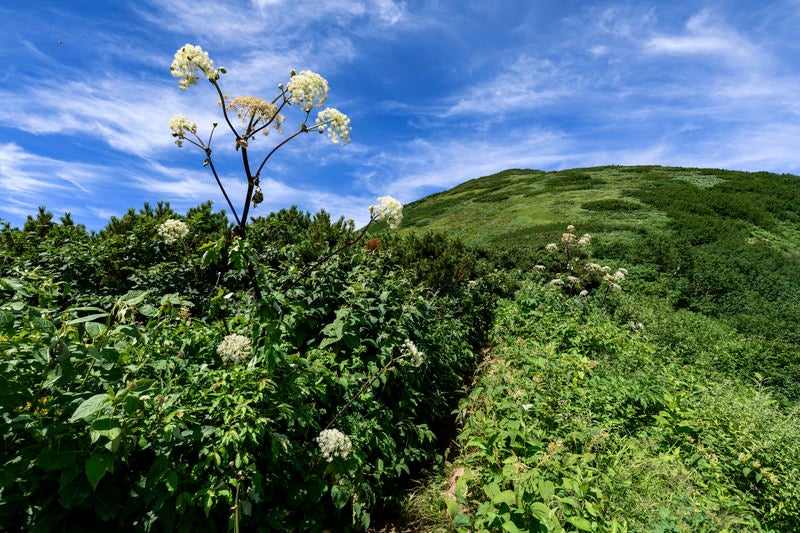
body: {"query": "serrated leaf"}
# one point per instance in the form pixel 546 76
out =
pixel 89 407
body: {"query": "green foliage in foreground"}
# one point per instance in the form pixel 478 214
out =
pixel 118 411
pixel 578 423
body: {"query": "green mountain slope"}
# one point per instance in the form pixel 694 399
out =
pixel 672 405
pixel 722 243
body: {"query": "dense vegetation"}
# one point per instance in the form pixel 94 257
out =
pixel 487 368
pixel 121 406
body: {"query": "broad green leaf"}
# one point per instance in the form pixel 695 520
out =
pixel 50 459
pixel 88 318
pixel 107 427
pixel 511 527
pixel 340 496
pixel 148 310
pixel 507 496
pixel 96 467
pixel 580 522
pixel 171 480
pixel 540 511
pixel 89 407
pixel 94 329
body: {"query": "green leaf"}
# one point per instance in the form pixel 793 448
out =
pixel 511 527
pixel 507 496
pixel 580 522
pixel 148 310
pixel 340 496
pixel 96 468
pixel 50 459
pixel 171 480
pixel 540 511
pixel 107 427
pixel 461 520
pixel 87 318
pixel 6 323
pixel 547 490
pixel 89 407
pixel 94 329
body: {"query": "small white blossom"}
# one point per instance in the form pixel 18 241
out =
pixel 172 230
pixel 592 267
pixel 337 124
pixel 585 240
pixel 552 247
pixel 619 275
pixel 567 237
pixel 539 268
pixel 333 443
pixel 308 90
pixel 234 349
pixel 187 60
pixel 389 210
pixel 570 228
pixel 572 280
pixel 584 293
pixel 179 125
pixel 412 354
pixel 558 282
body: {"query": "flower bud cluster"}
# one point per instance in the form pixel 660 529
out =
pixel 389 210
pixel 254 111
pixel 179 125
pixel 187 61
pixel 337 124
pixel 308 90
pixel 234 349
pixel 411 354
pixel 333 443
pixel 173 230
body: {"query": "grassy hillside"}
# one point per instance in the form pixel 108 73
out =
pixel 721 243
pixel 670 405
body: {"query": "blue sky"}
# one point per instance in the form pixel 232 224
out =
pixel 438 92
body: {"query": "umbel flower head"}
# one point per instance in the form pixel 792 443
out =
pixel 188 59
pixel 337 124
pixel 179 125
pixel 333 443
pixel 254 111
pixel 411 354
pixel 308 90
pixel 388 209
pixel 172 230
pixel 234 348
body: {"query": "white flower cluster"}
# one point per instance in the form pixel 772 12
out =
pixel 308 90
pixel 252 110
pixel 614 279
pixel 389 210
pixel 187 60
pixel 333 443
pixel 234 349
pixel 411 353
pixel 172 230
pixel 179 125
pixel 337 124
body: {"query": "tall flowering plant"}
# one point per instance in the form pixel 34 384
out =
pixel 250 116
